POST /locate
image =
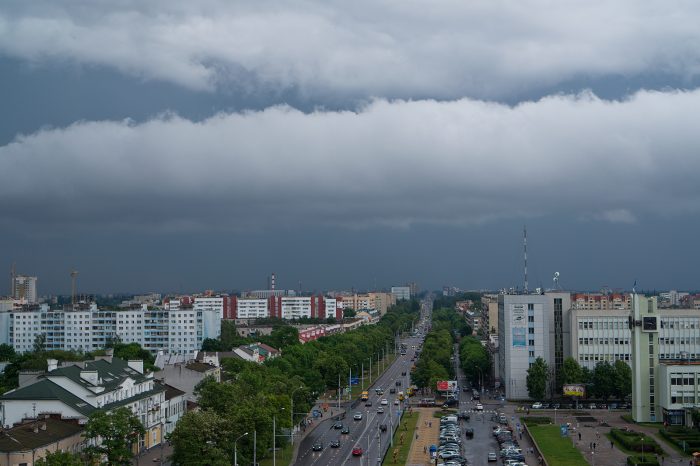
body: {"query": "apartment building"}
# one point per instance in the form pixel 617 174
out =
pixel 378 301
pixel 24 288
pixel 283 307
pixel 75 391
pixel 86 327
pixel 601 301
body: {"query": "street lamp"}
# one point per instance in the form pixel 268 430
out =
pixel 235 449
pixel 291 414
pixel 274 439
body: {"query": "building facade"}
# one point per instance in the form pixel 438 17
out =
pixel 401 292
pixel 24 288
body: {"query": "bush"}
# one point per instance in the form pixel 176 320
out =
pixel 677 435
pixel 536 420
pixel 631 440
pixel 646 460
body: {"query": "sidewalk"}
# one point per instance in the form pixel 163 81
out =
pixel 419 455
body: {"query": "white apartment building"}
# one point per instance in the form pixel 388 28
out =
pixel 252 308
pixel 210 303
pixel 87 328
pixel 296 307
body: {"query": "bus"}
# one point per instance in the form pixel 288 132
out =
pixel 365 396
pixel 400 396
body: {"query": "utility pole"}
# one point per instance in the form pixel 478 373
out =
pixel 362 374
pixel 370 369
pixel 255 443
pixel 274 442
pixel 338 390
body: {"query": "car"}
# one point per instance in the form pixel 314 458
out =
pixel 503 419
pixel 335 444
pixel 383 427
pixel 368 403
pixel 318 446
pixel 466 389
pixel 357 451
pixel 464 415
pixel 537 405
pixel 592 406
pixel 469 433
pixel 384 402
pixel 396 402
pixel 479 407
pixel 338 425
pixel 492 456
pixel 392 391
pixel 398 383
pixel 346 430
pixel 380 410
pixel 403 373
pixel 357 416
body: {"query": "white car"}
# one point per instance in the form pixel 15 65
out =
pixel 479 407
pixel 396 401
pixel 380 410
pixel 357 416
pixel 537 405
pixel 385 401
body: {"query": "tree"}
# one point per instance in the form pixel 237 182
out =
pixel 348 313
pixel 537 376
pixel 7 352
pixel 283 336
pixel 202 438
pixel 60 458
pixel 118 430
pixel 212 344
pixel 40 343
pixel 127 351
pixel 571 371
pixel 603 379
pixel 623 380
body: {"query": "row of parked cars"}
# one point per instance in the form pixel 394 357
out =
pixel 450 439
pixel 510 453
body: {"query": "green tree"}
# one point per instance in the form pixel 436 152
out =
pixel 282 337
pixel 623 380
pixel 202 438
pixel 212 344
pixel 60 458
pixel 537 376
pixel 7 352
pixel 127 351
pixel 603 379
pixel 571 371
pixel 40 343
pixel 349 312
pixel 118 430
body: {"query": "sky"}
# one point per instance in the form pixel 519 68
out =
pixel 178 146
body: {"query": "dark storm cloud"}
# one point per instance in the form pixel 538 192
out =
pixel 443 49
pixel 391 163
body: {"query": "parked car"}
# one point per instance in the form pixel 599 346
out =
pixel 469 433
pixel 492 456
pixel 537 405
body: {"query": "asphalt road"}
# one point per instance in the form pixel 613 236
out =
pixel 364 433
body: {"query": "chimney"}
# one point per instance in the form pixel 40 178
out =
pixel 136 364
pixel 52 364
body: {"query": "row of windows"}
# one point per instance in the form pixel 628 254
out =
pixel 603 341
pixel 605 325
pixel 682 380
pixel 682 399
pixel 604 357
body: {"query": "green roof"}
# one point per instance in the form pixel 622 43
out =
pixel 47 390
pixel 112 374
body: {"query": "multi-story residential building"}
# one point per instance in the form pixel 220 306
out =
pixel 672 298
pixel 73 392
pixel 378 301
pixel 283 307
pixel 592 301
pixel 251 308
pixel 24 288
pixel 86 327
pixel 489 303
pixel 401 292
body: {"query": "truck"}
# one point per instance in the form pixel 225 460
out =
pixel 364 396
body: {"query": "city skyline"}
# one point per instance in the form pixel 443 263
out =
pixel 178 146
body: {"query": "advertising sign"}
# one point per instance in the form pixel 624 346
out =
pixel 564 429
pixel 574 390
pixel 519 325
pixel 447 385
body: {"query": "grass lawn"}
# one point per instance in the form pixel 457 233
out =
pixel 558 450
pixel 410 421
pixel 284 457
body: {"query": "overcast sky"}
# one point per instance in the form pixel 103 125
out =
pixel 179 146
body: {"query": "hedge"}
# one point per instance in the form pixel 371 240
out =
pixel 536 420
pixel 631 441
pixel 678 435
pixel 646 460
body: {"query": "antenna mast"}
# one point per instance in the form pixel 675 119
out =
pixel 525 255
pixel 13 274
pixel 73 276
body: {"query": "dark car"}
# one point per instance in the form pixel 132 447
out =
pixel 338 425
pixel 464 415
pixel 403 373
pixel 398 383
pixel 335 444
pixel 383 427
pixel 392 390
pixel 469 432
pixel 318 446
pixel 346 430
pixel 368 403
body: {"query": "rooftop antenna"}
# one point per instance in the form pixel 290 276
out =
pixel 525 255
pixel 13 274
pixel 73 277
pixel 555 279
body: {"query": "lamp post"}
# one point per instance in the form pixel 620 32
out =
pixel 291 415
pixel 235 449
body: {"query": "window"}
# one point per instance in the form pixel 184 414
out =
pixel 531 342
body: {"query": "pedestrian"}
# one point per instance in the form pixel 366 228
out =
pixel 590 445
pixel 416 435
pixel 425 449
pixel 612 445
pixel 521 435
pixel 579 436
pixel 430 424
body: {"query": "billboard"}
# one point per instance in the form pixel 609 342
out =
pixel 518 324
pixel 447 385
pixel 574 390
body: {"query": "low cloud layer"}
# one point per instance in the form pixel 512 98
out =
pixel 393 163
pixel 362 49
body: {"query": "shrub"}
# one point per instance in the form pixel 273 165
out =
pixel 646 460
pixel 536 420
pixel 678 435
pixel 632 441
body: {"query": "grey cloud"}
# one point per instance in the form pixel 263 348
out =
pixel 442 50
pixel 394 163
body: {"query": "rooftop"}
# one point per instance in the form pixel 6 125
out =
pixel 24 437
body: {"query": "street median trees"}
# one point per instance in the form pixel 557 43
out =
pixel 537 376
